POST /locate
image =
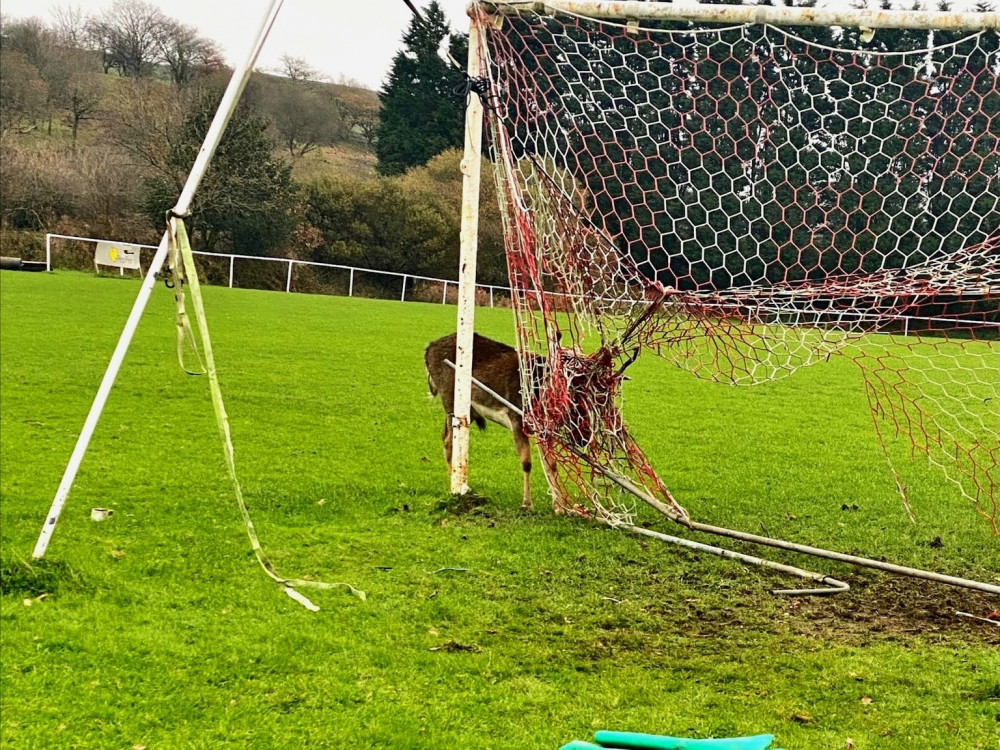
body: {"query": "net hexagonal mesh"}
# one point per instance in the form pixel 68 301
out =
pixel 744 202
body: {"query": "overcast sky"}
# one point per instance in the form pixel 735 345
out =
pixel 354 38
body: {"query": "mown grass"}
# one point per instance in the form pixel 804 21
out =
pixel 159 630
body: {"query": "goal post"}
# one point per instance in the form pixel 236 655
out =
pixel 703 13
pixel 471 175
pixel 745 191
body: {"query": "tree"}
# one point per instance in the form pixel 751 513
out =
pixel 362 119
pixel 247 197
pixel 144 119
pixel 304 117
pixel 298 70
pixel 69 26
pixel 30 37
pixel 75 86
pixel 186 54
pixel 129 35
pixel 421 114
pixel 23 93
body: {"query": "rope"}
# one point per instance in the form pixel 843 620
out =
pixel 180 249
pixel 479 86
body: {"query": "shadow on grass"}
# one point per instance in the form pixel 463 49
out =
pixel 19 577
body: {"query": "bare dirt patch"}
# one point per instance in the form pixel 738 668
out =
pixel 882 607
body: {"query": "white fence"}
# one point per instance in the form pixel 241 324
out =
pixel 407 280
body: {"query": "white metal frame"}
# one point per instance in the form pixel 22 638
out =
pixel 635 10
pixel 226 108
pixel 471 169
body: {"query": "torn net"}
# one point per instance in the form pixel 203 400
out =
pixel 744 202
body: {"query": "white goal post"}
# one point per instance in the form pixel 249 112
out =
pixel 638 10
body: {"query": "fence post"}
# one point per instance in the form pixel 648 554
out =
pixel 288 281
pixel 402 297
pixel 48 251
pixel 350 286
pixel 491 296
pixel 906 326
pixel 444 294
pixel 232 261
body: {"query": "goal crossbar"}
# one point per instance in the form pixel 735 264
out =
pixel 763 14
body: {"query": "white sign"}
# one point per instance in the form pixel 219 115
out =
pixel 117 254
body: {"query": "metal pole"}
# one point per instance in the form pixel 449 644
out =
pixel 48 252
pixel 229 101
pixel 232 261
pixel 491 296
pixel 444 294
pixel 288 281
pixel 471 168
pixel 402 296
pixel 833 585
pixel 862 562
pixel 906 326
pixel 758 14
pixel 350 287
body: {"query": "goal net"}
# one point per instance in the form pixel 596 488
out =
pixel 744 201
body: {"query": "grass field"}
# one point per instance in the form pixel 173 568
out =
pixel 160 631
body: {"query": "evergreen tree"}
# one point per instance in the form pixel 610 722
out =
pixel 247 197
pixel 421 115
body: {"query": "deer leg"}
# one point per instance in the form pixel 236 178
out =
pixel 523 445
pixel 446 439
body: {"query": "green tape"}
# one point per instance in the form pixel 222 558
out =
pixel 633 741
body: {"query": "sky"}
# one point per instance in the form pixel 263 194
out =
pixel 355 39
pixel 352 38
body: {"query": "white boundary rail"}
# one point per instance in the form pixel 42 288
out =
pixel 493 289
pixel 292 262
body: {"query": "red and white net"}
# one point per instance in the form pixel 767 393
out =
pixel 744 202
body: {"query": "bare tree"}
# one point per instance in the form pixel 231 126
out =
pixel 145 119
pixel 23 93
pixel 304 118
pixel 75 87
pixel 297 69
pixel 69 26
pixel 362 118
pixel 129 34
pixel 186 54
pixel 30 37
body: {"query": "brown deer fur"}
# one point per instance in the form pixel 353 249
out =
pixel 496 366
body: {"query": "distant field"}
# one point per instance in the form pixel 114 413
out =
pixel 159 630
pixel 346 160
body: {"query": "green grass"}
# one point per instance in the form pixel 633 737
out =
pixel 159 629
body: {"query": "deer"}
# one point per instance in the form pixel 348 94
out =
pixel 496 366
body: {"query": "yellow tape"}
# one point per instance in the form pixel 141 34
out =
pixel 181 255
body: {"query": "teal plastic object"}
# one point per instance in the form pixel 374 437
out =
pixel 632 741
pixel 580 745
